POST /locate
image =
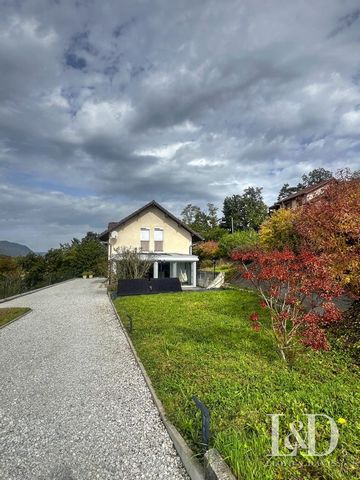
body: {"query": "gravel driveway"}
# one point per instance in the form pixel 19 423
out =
pixel 74 404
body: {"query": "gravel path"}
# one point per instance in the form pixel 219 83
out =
pixel 74 404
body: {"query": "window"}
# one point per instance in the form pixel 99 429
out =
pixel 145 239
pixel 159 239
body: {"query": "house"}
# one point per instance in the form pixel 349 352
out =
pixel 160 237
pixel 301 197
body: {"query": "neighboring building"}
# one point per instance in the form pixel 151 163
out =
pixel 301 197
pixel 159 236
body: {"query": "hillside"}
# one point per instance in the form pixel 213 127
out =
pixel 13 249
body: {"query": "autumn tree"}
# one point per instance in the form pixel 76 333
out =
pixel 279 232
pixel 330 227
pixel 208 250
pixel 297 290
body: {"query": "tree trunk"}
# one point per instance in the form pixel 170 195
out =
pixel 282 353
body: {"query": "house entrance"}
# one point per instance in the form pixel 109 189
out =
pixel 164 270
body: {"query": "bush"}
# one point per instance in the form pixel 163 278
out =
pixel 206 263
pixel 284 281
pixel 130 264
pixel 330 227
pixel 215 233
pixel 241 240
pixel 207 250
pixel 278 231
pixel 346 333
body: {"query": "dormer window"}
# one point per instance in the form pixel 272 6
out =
pixel 145 239
pixel 159 239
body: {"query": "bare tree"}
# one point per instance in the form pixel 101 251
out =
pixel 131 263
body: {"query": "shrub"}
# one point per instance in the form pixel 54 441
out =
pixel 240 240
pixel 206 263
pixel 331 228
pixel 215 233
pixel 298 291
pixel 130 264
pixel 9 267
pixel 347 332
pixel 207 250
pixel 278 231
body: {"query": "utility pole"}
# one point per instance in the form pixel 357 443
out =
pixel 232 224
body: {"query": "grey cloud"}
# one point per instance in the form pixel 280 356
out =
pixel 72 60
pixel 345 22
pixel 25 50
pixel 42 219
pixel 123 28
pixel 178 101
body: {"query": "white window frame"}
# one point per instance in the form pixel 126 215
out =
pixel 144 229
pixel 159 229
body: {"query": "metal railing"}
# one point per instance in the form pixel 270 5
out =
pixel 10 287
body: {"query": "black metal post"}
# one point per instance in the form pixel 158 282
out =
pixel 205 419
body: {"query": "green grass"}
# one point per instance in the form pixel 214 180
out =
pixel 219 267
pixel 9 314
pixel 200 343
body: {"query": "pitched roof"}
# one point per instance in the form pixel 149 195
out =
pixel 303 191
pixel 113 225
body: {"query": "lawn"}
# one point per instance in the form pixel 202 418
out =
pixel 200 343
pixel 9 314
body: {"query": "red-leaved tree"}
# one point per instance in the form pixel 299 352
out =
pixel 330 227
pixel 298 291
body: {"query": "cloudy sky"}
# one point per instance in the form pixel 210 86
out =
pixel 106 105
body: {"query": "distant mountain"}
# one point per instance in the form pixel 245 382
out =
pixel 13 249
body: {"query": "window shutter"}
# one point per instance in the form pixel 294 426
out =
pixel 159 239
pixel 145 239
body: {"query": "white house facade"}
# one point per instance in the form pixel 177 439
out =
pixel 160 237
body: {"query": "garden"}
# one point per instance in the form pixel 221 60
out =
pixel 202 343
pixel 282 346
